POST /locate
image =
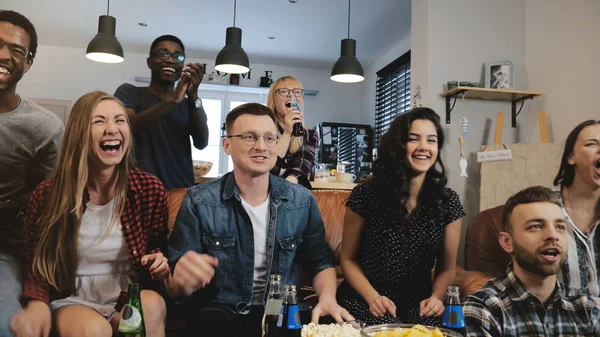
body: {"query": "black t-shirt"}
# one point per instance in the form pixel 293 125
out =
pixel 165 148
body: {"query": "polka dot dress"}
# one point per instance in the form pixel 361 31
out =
pixel 398 261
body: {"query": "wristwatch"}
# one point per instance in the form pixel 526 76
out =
pixel 197 104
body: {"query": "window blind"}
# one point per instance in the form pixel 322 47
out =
pixel 392 94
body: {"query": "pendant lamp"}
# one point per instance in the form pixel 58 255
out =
pixel 105 47
pixel 232 59
pixel 347 69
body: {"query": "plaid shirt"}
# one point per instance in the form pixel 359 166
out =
pixel 504 307
pixel 301 162
pixel 144 225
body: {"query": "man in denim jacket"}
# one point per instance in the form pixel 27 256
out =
pixel 232 233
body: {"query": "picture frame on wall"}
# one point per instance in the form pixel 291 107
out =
pixel 499 75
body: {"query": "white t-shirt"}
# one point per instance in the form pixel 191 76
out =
pixel 104 267
pixel 259 216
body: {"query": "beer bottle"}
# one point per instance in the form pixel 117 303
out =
pixel 132 316
pixel 290 323
pixel 273 307
pixel 298 129
pixel 282 313
pixel 453 315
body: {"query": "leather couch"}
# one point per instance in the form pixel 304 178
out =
pixel 484 257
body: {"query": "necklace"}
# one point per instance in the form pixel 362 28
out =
pixel 575 211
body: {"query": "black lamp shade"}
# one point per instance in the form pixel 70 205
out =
pixel 105 47
pixel 232 59
pixel 347 69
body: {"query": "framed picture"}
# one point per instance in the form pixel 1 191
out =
pixel 499 75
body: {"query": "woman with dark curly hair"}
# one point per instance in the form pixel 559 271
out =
pixel 399 226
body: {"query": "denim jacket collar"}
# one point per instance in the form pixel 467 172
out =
pixel 277 191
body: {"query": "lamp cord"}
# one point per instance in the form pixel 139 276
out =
pixel 234 10
pixel 108 8
pixel 348 18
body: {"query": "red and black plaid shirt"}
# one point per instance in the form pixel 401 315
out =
pixel 144 225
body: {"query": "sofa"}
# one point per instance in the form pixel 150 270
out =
pixel 484 257
pixel 332 206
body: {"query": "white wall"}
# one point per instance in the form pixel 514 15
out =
pixel 450 41
pixel 563 61
pixel 66 74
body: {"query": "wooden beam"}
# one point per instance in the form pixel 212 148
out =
pixel 499 129
pixel 543 126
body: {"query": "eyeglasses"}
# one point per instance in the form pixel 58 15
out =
pixel 285 92
pixel 249 138
pixel 164 54
pixel 15 50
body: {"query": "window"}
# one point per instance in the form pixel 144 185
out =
pixel 217 105
pixel 347 143
pixel 392 94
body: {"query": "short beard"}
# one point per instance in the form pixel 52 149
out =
pixel 528 261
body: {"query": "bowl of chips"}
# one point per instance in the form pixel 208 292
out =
pixel 406 330
pixel 346 329
pixel 201 168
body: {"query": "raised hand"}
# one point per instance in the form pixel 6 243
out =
pixel 292 116
pixel 195 271
pixel 193 75
pixel 178 94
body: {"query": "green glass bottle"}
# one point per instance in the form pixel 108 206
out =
pixel 132 316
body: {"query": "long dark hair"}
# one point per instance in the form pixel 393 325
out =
pixel 566 172
pixel 392 172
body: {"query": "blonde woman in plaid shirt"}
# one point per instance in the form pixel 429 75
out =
pixel 95 226
pixel 295 155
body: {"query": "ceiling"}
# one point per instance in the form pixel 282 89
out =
pixel 307 33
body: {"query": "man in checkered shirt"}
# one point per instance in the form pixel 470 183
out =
pixel 528 300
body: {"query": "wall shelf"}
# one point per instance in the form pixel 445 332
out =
pixel 513 96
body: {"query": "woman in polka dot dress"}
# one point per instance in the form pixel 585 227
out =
pixel 399 226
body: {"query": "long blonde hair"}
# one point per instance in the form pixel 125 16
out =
pixel 56 257
pixel 297 142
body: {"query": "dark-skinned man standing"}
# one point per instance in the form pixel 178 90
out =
pixel 165 114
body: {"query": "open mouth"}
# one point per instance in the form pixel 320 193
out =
pixel 259 158
pixel 110 146
pixel 551 254
pixel 290 104
pixel 168 70
pixel 421 157
pixel 4 72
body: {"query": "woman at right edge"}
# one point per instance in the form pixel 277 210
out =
pixel 579 180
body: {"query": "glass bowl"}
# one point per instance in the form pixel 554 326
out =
pixel 201 168
pixel 370 331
